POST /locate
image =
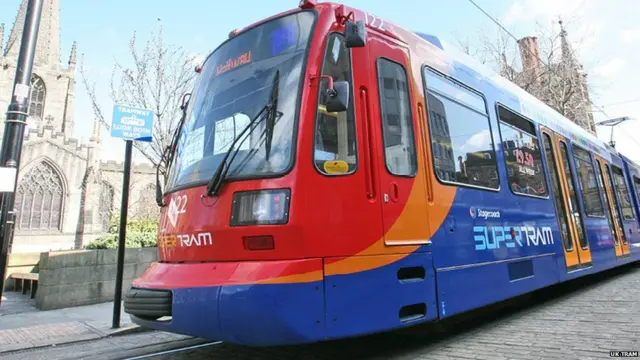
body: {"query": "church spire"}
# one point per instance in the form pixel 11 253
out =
pixel 72 57
pixel 48 43
pixel 567 57
pixel 93 150
pixel 1 38
pixel 95 135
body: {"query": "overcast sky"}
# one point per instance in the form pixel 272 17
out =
pixel 606 34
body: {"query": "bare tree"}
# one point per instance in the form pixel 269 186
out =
pixel 143 206
pixel 545 65
pixel 158 76
pixel 106 203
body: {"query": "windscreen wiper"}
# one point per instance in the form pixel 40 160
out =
pixel 169 152
pixel 159 199
pixel 218 178
pixel 271 118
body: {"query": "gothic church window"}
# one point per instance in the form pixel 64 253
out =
pixel 39 199
pixel 38 94
pixel 106 205
pixel 146 207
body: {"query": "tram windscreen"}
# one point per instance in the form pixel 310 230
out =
pixel 235 84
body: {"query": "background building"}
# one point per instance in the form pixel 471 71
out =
pixel 66 194
pixel 562 84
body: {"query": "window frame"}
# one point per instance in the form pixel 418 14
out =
pixel 570 178
pixel 37 82
pixel 548 133
pixel 615 188
pixel 535 127
pixel 104 185
pixel 636 190
pixel 459 83
pixel 63 199
pixel 600 190
pixel 301 92
pixel 414 158
pixel 351 108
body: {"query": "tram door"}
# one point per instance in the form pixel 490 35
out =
pixel 401 179
pixel 615 224
pixel 565 198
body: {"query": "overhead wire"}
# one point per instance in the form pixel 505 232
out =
pixel 622 102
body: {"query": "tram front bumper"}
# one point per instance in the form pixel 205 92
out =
pixel 231 302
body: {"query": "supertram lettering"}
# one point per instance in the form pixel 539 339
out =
pixel 495 237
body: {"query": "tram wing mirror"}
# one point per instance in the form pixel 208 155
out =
pixel 355 34
pixel 185 101
pixel 338 97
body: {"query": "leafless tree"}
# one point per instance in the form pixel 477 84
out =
pixel 143 206
pixel 156 78
pixel 545 65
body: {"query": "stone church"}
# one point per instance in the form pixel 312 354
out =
pixel 66 195
pixel 546 80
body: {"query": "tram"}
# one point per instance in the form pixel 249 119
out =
pixel 337 175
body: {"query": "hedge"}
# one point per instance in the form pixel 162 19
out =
pixel 140 234
pixel 133 240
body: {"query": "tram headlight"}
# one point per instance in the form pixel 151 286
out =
pixel 262 207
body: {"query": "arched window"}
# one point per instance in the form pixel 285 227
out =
pixel 39 199
pixel 106 205
pixel 38 94
pixel 146 204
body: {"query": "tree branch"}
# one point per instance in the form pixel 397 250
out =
pixel 156 79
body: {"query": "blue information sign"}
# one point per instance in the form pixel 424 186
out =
pixel 131 123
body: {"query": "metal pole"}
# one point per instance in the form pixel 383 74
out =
pixel 14 129
pixel 611 142
pixel 117 301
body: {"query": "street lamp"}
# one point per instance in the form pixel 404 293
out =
pixel 613 123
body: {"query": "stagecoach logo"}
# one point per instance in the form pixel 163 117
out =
pixel 484 214
pixel 177 206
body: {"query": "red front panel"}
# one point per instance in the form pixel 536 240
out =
pixel 196 228
pixel 362 212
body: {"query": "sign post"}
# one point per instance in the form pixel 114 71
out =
pixel 130 124
pixel 14 133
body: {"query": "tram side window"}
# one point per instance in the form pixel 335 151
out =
pixel 459 125
pixel 522 155
pixel 588 183
pixel 636 181
pixel 335 134
pixel 395 106
pixel 623 194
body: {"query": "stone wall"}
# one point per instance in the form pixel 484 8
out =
pixel 83 277
pixel 21 263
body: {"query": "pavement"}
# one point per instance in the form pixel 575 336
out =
pixel 22 326
pixel 583 319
